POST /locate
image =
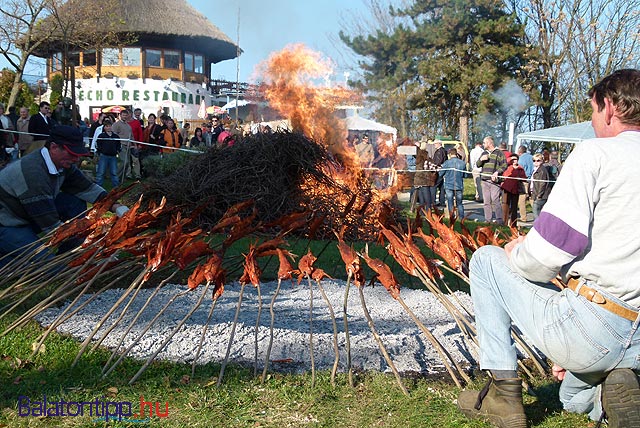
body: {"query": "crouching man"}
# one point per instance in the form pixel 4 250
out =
pixel 43 189
pixel 587 231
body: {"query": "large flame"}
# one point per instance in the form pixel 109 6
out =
pixel 296 84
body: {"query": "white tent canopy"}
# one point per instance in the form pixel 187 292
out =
pixel 357 123
pixel 235 103
pixel 574 133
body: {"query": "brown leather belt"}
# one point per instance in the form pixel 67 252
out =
pixel 594 296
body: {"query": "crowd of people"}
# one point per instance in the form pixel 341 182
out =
pixel 41 183
pixel 503 181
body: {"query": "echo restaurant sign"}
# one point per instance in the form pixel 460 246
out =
pixel 137 95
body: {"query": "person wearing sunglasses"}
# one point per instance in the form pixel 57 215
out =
pixel 540 185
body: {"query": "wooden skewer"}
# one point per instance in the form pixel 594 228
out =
pixel 255 333
pixel 146 329
pixel 311 350
pixel 202 336
pixel 347 340
pixel 383 350
pixel 335 335
pixel 173 333
pixel 134 320
pixel 271 311
pixel 231 336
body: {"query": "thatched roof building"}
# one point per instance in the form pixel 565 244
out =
pixel 161 23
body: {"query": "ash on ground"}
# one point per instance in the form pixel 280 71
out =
pixel 408 347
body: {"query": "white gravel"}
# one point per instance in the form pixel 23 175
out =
pixel 408 347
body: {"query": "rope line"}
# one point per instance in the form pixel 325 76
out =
pixel 458 170
pixel 122 140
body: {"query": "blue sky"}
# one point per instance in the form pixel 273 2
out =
pixel 267 26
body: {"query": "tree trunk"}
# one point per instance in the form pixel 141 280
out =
pixel 464 122
pixel 17 81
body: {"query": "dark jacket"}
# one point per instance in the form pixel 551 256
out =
pixel 541 189
pixel 108 145
pixel 439 156
pixel 151 135
pixel 425 178
pixel 37 125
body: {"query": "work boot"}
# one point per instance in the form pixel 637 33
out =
pixel 499 402
pixel 621 399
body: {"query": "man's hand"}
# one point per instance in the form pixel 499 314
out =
pixel 119 209
pixel 558 372
pixel 512 244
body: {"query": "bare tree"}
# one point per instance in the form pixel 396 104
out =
pixel 73 27
pixel 579 42
pixel 18 19
pixel 42 27
pixel 605 38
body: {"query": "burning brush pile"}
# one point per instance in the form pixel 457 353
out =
pixel 284 174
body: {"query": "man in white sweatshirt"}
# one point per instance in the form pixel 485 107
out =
pixel 588 233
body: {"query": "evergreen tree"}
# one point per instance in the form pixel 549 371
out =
pixel 447 58
pixel 23 94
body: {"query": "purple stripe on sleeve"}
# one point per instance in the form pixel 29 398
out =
pixel 559 234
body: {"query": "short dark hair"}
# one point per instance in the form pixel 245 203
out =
pixel 43 104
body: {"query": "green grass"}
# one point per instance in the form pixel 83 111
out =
pixel 242 401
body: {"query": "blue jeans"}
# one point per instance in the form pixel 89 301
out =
pixel 537 207
pixel 587 340
pixel 14 238
pixel 458 196
pixel 426 196
pixel 109 163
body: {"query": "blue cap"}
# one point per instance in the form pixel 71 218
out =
pixel 70 138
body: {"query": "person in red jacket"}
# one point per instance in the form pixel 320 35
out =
pixel 513 185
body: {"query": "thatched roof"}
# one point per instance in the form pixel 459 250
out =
pixel 157 23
